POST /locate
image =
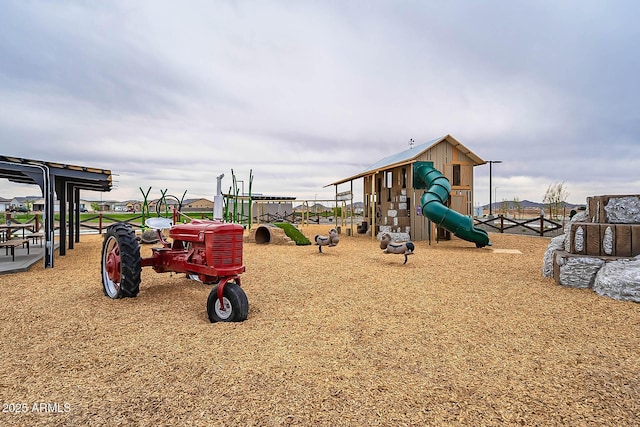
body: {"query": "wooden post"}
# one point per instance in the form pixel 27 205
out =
pixel 373 207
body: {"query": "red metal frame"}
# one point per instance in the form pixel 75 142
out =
pixel 210 249
pixel 113 264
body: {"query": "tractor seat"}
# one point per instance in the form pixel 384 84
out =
pixel 158 223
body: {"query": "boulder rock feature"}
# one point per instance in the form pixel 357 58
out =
pixel 600 249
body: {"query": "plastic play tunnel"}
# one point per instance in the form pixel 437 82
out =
pixel 433 206
pixel 263 235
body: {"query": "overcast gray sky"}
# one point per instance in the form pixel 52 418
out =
pixel 170 94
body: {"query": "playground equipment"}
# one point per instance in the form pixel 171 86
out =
pixel 145 206
pixel 267 234
pixel 390 247
pixel 600 249
pixel 162 201
pixel 206 251
pixel 218 200
pixel 307 212
pixel 433 205
pixel 231 213
pixel 331 240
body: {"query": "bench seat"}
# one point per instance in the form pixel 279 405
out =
pixel 36 237
pixel 12 244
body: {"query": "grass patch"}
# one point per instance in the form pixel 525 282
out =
pixel 293 233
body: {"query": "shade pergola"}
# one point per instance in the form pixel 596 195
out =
pixel 65 181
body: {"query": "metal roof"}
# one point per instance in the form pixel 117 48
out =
pixel 21 170
pixel 64 180
pixel 261 197
pixel 409 156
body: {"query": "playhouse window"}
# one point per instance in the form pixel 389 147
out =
pixel 456 175
pixel 404 177
pixel 379 189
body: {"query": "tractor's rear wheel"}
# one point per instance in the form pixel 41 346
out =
pixel 121 262
pixel 236 304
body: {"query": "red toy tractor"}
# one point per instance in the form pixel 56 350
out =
pixel 206 251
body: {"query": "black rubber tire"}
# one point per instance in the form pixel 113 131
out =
pixel 120 237
pixel 235 302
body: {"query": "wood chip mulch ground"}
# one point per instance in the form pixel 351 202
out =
pixel 347 337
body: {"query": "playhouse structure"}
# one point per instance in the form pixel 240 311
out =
pixel 393 189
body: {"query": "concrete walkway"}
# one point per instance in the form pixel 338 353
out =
pixel 24 260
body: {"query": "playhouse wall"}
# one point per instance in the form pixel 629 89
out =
pixel 396 206
pixel 446 158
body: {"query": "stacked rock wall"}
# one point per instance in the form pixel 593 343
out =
pixel 619 240
pixel 600 249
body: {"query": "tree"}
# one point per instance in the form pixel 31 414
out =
pixel 517 206
pixel 556 197
pixel 504 206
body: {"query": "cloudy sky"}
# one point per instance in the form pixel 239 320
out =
pixel 171 94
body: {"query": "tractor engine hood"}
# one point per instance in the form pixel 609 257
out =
pixel 195 230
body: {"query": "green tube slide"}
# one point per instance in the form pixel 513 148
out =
pixel 433 207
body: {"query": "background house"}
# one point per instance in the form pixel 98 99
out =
pixel 37 204
pixel 391 202
pixel 27 203
pixel 5 204
pixel 197 205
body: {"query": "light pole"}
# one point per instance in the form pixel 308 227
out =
pixel 491 162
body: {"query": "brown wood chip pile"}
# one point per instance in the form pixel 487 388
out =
pixel 347 337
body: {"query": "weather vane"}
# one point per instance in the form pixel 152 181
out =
pixel 411 142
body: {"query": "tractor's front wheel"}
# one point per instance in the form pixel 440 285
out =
pixel 121 262
pixel 235 304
